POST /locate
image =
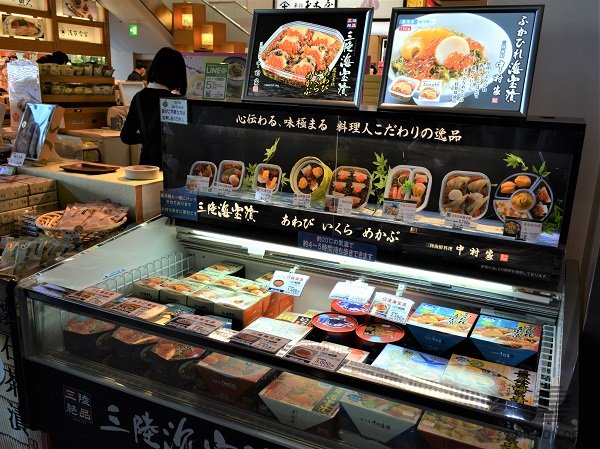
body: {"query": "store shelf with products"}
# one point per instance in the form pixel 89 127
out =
pixel 436 378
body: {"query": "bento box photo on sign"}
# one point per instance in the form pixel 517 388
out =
pixel 472 60
pixel 307 56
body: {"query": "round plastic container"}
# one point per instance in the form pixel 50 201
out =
pixel 375 336
pixel 305 177
pixel 360 312
pixel 334 327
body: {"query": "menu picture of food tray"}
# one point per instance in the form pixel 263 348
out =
pixel 465 192
pixel 492 379
pixel 523 195
pixel 472 60
pixel 308 56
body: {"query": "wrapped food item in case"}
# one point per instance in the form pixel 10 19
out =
pixel 242 309
pixel 376 418
pixel 171 311
pixel 303 403
pixel 408 362
pixel 206 275
pixel 149 288
pixel 87 337
pixel 443 431
pixel 204 299
pixel 139 308
pixel 127 347
pixel 506 341
pixel 227 267
pixel 172 362
pixel 178 290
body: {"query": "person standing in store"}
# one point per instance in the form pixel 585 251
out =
pixel 138 73
pixel 167 77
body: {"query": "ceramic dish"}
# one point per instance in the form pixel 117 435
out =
pixel 141 172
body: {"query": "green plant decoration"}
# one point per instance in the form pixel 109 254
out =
pixel 251 168
pixel 541 171
pixel 382 168
pixel 514 161
pixel 554 220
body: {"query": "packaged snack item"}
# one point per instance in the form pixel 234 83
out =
pixel 172 362
pixel 407 362
pixel 334 327
pixel 149 288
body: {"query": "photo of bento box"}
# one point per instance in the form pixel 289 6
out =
pixel 465 192
pixel 376 418
pixel 87 337
pixel 354 182
pixel 506 341
pixel 297 50
pixel 410 183
pixel 440 328
pixel 303 403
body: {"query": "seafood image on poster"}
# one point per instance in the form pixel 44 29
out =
pixel 22 26
pixel 461 60
pixel 312 57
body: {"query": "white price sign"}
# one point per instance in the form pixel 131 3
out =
pixel 288 283
pixel 173 111
pixel 344 205
pixel 460 221
pixel 317 357
pixel 16 159
pixel 301 200
pixel 407 211
pixel 357 292
pixel 95 296
pixel 390 307
pixel 264 194
pixel 220 188
pixel 197 184
pixel 531 230
pixel 215 81
pixel 260 340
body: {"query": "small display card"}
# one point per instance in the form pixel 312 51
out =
pixel 16 159
pixel 215 81
pixel 260 340
pixel 95 296
pixel 301 200
pixel 407 211
pixel 315 356
pixel 220 188
pixel 460 221
pixel 357 292
pixel 195 323
pixel 288 283
pixel 70 236
pixel 530 230
pixel 263 194
pixel 390 307
pixel 197 184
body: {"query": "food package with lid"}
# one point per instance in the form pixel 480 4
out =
pixel 172 362
pixel 87 337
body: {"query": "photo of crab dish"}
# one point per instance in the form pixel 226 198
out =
pixel 351 181
pixel 465 193
pixel 298 50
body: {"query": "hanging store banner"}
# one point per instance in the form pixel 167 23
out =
pixel 304 4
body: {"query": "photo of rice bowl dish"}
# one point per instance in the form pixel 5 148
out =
pixel 297 50
pixel 458 50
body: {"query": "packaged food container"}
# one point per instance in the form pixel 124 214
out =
pixel 149 288
pixel 376 418
pixel 523 195
pixel 172 362
pixel 87 337
pixel 206 169
pixel 492 379
pixel 227 267
pixel 360 312
pixel 139 308
pixel 171 311
pixel 373 337
pixel 242 309
pixel 267 176
pixel 279 328
pixel 403 88
pixel 282 57
pixel 232 380
pixel 408 362
pixel 232 173
pixel 442 431
pixel 204 299
pixel 303 403
pixel 354 182
pixel 296 318
pixel 409 182
pixel 177 291
pixel 438 328
pixel 231 282
pixel 505 341
pixel 334 327
pixel 66 70
pixel 206 276
pixel 127 346
pixel 310 176
pixel 465 192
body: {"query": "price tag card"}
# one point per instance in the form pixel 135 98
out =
pixel 344 206
pixel 400 289
pixel 318 357
pixel 220 188
pixel 195 323
pixel 288 283
pixel 301 200
pixel 407 211
pixel 16 159
pixel 70 236
pixel 95 296
pixel 263 194
pixel 215 81
pixel 461 221
pixel 390 307
pixel 530 230
pixel 391 209
pixel 197 184
pixel 7 170
pixel 357 292
pixel 260 340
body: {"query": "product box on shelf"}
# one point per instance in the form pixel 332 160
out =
pixel 235 283
pixel 206 276
pixel 505 341
pixel 492 379
pixel 376 418
pixel 13 215
pixel 408 362
pixel 127 346
pixel 242 309
pixel 139 308
pixel 24 185
pixel 204 299
pixel 171 311
pixel 227 267
pixel 443 432
pixel 230 379
pixel 87 337
pixel 13 203
pixel 278 328
pixel 277 303
pixel 303 403
pixel 149 288
pixel 438 328
pixel 172 362
pixel 42 198
pixel 178 291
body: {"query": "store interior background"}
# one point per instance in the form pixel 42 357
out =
pixel 566 84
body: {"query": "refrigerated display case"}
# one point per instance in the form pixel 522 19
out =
pixel 232 375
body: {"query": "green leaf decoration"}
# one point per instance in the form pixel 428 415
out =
pixel 284 179
pixel 270 152
pixel 514 161
pixel 380 175
pixel 407 186
pixel 554 221
pixel 541 171
pixel 249 177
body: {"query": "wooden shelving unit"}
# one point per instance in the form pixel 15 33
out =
pixel 59 99
pixel 76 79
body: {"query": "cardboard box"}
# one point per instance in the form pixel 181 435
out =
pixel 204 300
pixel 442 432
pixel 407 362
pixel 24 185
pixel 438 328
pixel 85 117
pixel 376 418
pixel 506 341
pixel 42 198
pixel 11 216
pixel 13 203
pixel 10 188
pixel 149 288
pixel 177 291
pixel 242 309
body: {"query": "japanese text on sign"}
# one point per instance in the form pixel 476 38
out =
pixel 173 111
